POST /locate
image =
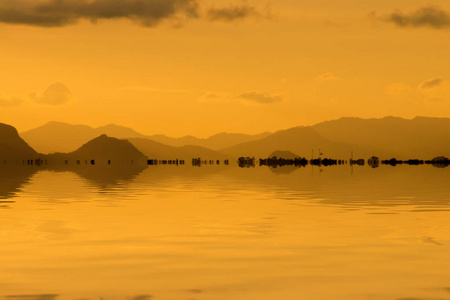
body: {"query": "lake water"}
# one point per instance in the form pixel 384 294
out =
pixel 219 232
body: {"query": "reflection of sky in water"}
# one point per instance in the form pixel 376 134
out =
pixel 226 233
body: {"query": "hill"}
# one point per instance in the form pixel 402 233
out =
pixel 102 150
pixel 12 146
pixel 155 150
pixel 283 154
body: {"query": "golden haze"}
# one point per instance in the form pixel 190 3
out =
pixel 276 65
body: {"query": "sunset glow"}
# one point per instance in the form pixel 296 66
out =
pixel 203 67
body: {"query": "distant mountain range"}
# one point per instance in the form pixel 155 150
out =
pixel 420 137
pixel 388 137
pixel 299 140
pixel 62 137
pixel 215 142
pixel 156 150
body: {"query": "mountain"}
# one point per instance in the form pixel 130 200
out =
pixel 103 150
pixel 62 137
pixel 215 142
pixel 283 154
pixel 117 131
pixel 12 146
pixel 388 137
pixel 301 140
pixel 58 137
pixel 420 137
pixel 155 150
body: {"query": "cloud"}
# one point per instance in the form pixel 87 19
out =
pixel 8 101
pixel 58 13
pixel 195 291
pixel 33 297
pixel 431 240
pixel 398 89
pixel 427 16
pixel 431 91
pixel 327 77
pixel 241 98
pixel 159 90
pixel 142 297
pixel 55 94
pixel 213 97
pixel 432 83
pixel 235 12
pixel 260 97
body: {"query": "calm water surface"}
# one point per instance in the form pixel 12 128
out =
pixel 171 232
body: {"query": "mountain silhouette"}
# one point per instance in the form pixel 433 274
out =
pixel 283 154
pixel 125 162
pixel 12 146
pixel 62 137
pixel 117 131
pixel 420 137
pixel 301 140
pixel 156 150
pixel 102 150
pixel 215 142
pixel 387 137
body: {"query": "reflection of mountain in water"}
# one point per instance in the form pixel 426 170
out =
pixel 421 186
pixel 12 178
pixel 283 169
pixel 103 176
pixel 155 174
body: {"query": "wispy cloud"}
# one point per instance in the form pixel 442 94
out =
pixel 432 83
pixel 57 13
pixel 8 101
pixel 142 297
pixel 260 97
pixel 427 16
pixel 233 13
pixel 329 76
pixel 159 90
pixel 215 97
pixel 252 97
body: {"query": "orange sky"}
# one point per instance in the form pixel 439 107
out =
pixel 202 67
